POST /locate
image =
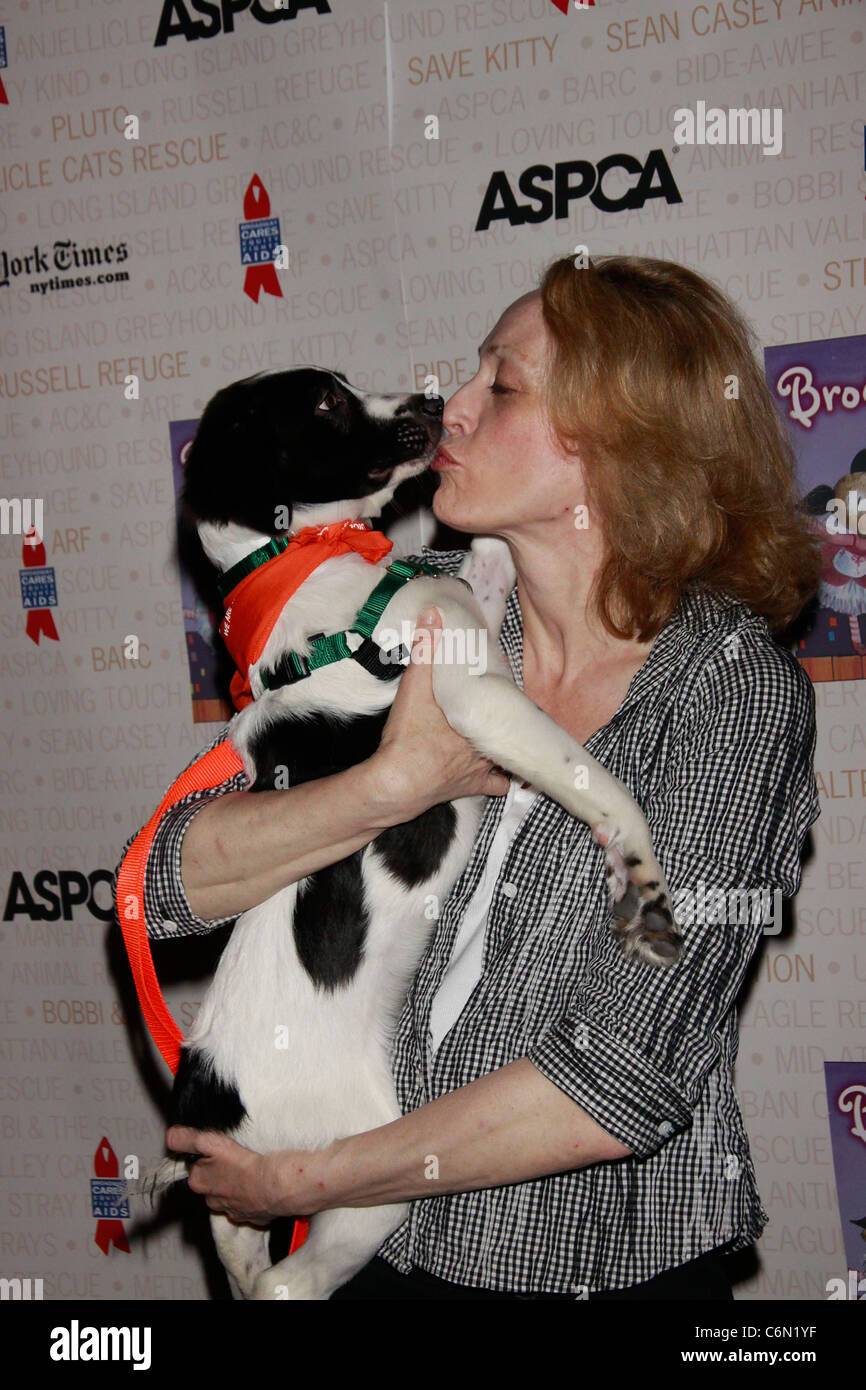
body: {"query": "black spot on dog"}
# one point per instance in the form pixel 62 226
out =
pixel 200 1098
pixel 414 851
pixel 330 923
pixel 304 749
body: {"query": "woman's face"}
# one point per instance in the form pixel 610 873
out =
pixel 511 474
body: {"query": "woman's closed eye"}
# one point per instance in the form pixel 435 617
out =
pixel 499 389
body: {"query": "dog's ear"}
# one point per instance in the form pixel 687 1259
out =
pixel 213 456
pixel 236 429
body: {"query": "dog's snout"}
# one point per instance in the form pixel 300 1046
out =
pixel 420 404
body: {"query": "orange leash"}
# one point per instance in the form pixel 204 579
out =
pixel 215 767
pixel 210 770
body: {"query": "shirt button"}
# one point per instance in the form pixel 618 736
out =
pixel 666 1129
pixel 510 890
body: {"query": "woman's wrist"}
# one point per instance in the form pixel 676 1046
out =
pixel 387 799
pixel 301 1183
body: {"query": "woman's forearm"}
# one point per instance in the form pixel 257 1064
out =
pixel 244 847
pixel 507 1127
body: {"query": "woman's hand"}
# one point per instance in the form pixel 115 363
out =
pixel 420 760
pixel 248 1187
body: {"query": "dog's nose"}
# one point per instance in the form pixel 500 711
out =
pixel 433 405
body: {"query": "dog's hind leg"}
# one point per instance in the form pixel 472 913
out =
pixel 243 1251
pixel 339 1244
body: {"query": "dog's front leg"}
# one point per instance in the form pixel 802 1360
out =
pixel 498 719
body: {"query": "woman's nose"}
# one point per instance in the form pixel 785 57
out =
pixel 457 416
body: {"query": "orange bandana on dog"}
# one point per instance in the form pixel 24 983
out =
pixel 257 599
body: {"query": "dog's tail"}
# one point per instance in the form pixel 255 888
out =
pixel 157 1178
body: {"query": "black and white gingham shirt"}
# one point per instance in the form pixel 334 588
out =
pixel 715 738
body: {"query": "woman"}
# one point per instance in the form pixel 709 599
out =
pixel 569 1117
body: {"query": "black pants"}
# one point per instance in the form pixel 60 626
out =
pixel 703 1278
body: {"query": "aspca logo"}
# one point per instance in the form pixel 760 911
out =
pixel 575 179
pixel 176 21
pixel 54 895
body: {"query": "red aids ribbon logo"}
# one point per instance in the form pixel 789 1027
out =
pixel 562 5
pixel 108 1199
pixel 38 589
pixel 3 97
pixel 260 237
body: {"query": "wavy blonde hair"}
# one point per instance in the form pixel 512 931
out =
pixel 689 486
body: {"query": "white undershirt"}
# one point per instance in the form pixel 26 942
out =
pixel 464 968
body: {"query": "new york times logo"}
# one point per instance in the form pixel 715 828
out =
pixel 67 258
pixel 76 1343
pixel 176 19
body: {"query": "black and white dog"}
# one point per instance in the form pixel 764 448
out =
pixel 330 958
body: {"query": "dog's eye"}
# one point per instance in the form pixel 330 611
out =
pixel 329 401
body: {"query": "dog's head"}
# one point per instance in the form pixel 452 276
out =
pixel 305 441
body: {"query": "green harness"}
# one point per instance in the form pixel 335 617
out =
pixel 326 649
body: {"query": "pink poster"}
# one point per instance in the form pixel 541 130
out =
pixel 846 1108
pixel 820 390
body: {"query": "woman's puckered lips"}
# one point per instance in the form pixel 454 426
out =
pixel 442 459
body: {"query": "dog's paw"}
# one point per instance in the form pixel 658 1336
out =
pixel 645 925
pixel 643 918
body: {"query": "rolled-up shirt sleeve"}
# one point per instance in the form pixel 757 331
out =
pixel 728 814
pixel 167 912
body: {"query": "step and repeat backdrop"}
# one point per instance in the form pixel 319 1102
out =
pixel 196 190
